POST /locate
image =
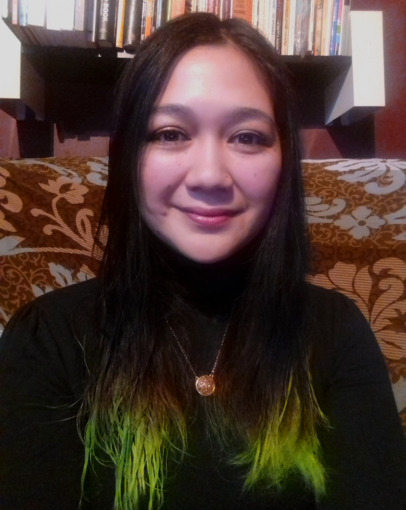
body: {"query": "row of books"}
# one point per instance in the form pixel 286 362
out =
pixel 295 27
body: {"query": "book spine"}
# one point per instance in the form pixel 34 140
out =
pixel 226 9
pixel 243 9
pixel 302 19
pixel 23 13
pixel 279 26
pixel 106 23
pixel 177 8
pixel 272 21
pixel 310 40
pixel 262 22
pixel 318 25
pixel 339 27
pixel 333 33
pixel 132 25
pixel 14 12
pixel 255 13
pixel 326 28
pixel 292 27
pixel 344 45
pixel 219 7
pixel 120 23
pixel 91 22
pixel 212 6
pixel 161 12
pixel 147 14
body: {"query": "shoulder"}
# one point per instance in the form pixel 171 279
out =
pixel 61 318
pixel 47 339
pixel 342 337
pixel 332 313
pixel 77 299
pixel 69 295
pixel 330 301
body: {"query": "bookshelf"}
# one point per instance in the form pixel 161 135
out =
pixel 73 87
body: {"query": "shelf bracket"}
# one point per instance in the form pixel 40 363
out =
pixel 360 90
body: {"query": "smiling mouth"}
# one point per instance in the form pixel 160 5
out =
pixel 210 217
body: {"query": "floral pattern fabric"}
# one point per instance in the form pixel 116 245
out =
pixel 356 211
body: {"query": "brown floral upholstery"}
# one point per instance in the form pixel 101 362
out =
pixel 357 219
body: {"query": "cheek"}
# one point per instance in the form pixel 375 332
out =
pixel 160 176
pixel 261 185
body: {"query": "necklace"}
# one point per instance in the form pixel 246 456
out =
pixel 205 384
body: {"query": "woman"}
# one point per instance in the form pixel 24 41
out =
pixel 201 369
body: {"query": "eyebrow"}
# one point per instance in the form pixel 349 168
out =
pixel 236 115
pixel 172 109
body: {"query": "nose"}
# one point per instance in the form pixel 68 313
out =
pixel 208 169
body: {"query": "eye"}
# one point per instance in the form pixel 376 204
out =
pixel 251 140
pixel 168 136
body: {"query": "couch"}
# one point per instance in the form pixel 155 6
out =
pixel 357 219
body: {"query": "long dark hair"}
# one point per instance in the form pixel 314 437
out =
pixel 136 400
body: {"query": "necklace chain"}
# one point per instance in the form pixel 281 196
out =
pixel 205 384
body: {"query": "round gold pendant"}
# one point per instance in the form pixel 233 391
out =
pixel 205 385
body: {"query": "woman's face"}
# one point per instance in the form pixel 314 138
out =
pixel 211 166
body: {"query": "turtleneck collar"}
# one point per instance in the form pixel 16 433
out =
pixel 210 288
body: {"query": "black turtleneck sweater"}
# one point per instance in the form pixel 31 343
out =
pixel 43 376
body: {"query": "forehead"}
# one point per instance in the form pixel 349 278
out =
pixel 210 70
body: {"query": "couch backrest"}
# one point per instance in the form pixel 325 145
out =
pixel 357 219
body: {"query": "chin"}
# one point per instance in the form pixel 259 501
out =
pixel 206 259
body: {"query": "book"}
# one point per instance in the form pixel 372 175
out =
pixel 318 26
pixel 91 22
pixel 279 26
pixel 225 8
pixel 120 23
pixel 147 18
pixel 177 8
pixel 301 30
pixel 334 22
pixel 312 22
pixel 261 17
pixel 327 26
pixel 344 43
pixel 161 12
pixel 106 23
pixel 338 27
pixel 132 25
pixel 292 27
pixel 289 20
pixel 243 9
pixel 272 21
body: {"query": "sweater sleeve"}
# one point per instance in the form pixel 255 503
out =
pixel 364 445
pixel 41 382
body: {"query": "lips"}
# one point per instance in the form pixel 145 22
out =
pixel 212 217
